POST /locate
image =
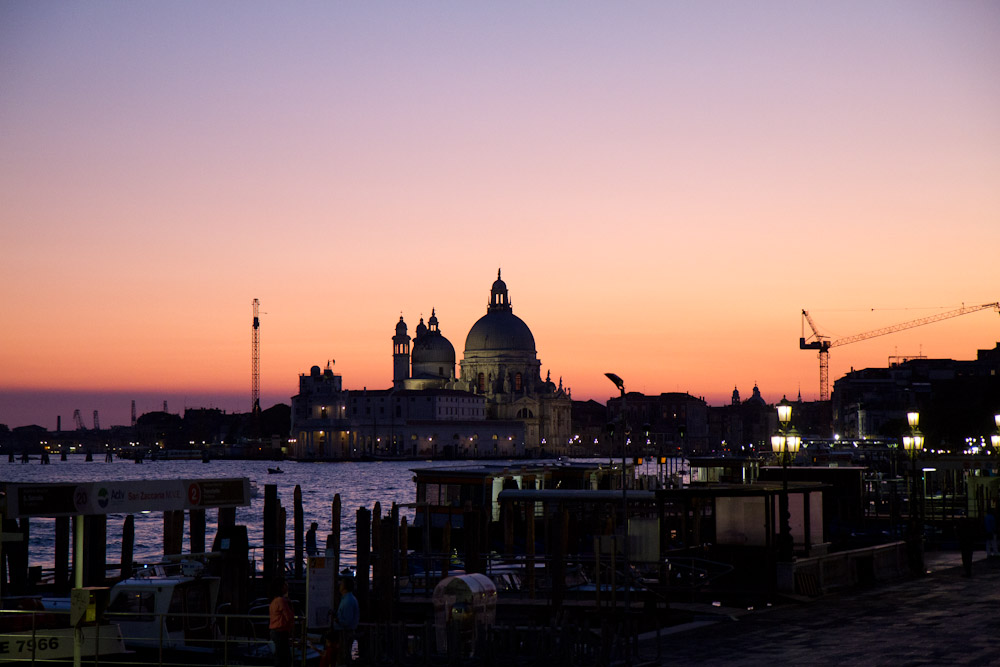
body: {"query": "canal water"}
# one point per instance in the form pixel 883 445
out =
pixel 360 484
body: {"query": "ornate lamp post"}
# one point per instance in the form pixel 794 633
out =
pixel 995 438
pixel 786 445
pixel 914 444
pixel 625 550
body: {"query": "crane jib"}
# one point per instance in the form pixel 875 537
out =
pixel 823 344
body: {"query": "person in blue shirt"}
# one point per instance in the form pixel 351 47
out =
pixel 346 621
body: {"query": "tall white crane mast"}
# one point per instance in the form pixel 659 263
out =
pixel 255 360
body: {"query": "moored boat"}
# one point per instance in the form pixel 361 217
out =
pixel 31 631
pixel 173 609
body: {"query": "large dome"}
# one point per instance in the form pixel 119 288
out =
pixel 500 330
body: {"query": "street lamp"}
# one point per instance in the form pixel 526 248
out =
pixel 621 387
pixel 786 445
pixel 995 438
pixel 914 444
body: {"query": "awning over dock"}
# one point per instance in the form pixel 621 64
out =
pixel 577 495
pixel 96 498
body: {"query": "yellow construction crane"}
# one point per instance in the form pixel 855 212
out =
pixel 823 343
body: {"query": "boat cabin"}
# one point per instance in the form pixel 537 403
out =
pixel 172 612
pixel 443 494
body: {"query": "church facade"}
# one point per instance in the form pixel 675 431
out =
pixel 497 404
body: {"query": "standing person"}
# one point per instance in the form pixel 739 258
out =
pixel 311 539
pixel 347 619
pixel 282 622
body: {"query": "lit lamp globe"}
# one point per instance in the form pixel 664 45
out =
pixel 777 443
pixel 916 444
pixel 913 419
pixel 995 439
pixel 996 418
pixel 792 442
pixel 784 413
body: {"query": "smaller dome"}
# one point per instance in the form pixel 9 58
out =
pixel 433 349
pixel 401 327
pixel 498 285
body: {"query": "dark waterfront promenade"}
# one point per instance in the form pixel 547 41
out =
pixel 944 618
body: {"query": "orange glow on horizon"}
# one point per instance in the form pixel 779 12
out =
pixel 665 187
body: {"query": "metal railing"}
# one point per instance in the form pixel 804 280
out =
pixel 178 639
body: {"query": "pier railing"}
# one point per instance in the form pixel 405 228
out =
pixel 240 639
pixel 172 639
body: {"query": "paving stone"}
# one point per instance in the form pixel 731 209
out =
pixel 942 618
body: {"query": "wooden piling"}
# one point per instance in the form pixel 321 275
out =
pixel 394 554
pixel 95 545
pixel 128 546
pixel 298 528
pixel 282 539
pixel 404 547
pixel 227 518
pixel 378 565
pixel 22 548
pixel 384 585
pixel 270 531
pixel 233 567
pixel 196 518
pixel 376 530
pixel 173 532
pixel 333 540
pixel 363 527
pixel 62 540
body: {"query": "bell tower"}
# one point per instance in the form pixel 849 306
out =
pixel 400 355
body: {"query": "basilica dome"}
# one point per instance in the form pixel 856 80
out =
pixel 499 329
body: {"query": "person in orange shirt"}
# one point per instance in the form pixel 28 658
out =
pixel 282 622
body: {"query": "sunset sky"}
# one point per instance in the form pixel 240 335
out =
pixel 665 185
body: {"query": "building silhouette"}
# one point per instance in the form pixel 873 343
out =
pixel 498 405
